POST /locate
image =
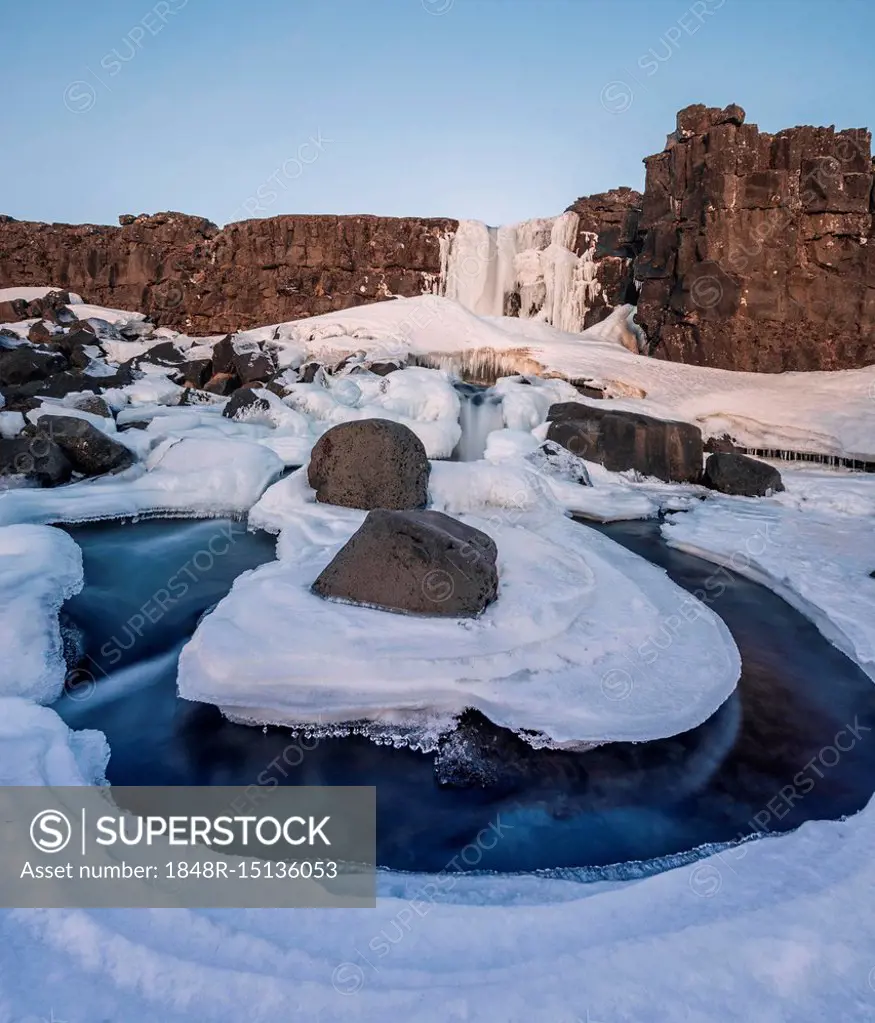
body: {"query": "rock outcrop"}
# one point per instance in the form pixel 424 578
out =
pixel 185 272
pixel 609 228
pixel 620 440
pixel 758 249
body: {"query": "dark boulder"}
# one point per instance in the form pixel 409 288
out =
pixel 13 311
pixel 164 354
pixel 383 369
pixel 91 451
pixel 24 364
pixel 243 403
pixel 37 459
pixel 41 332
pixel 732 473
pixel 196 372
pixel 222 384
pixel 414 562
pixel 307 372
pixel 94 404
pixel 223 354
pixel 370 463
pixel 251 364
pixel 622 440
pixel 720 445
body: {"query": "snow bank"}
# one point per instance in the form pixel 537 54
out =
pixel 40 568
pixel 31 294
pixel 819 562
pixel 825 412
pixel 37 748
pixel 192 477
pixel 586 642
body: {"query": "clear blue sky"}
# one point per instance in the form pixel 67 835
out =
pixel 492 109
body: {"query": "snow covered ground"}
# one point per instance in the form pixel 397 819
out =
pixel 827 413
pixel 773 931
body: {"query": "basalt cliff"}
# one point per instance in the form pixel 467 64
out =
pixel 747 251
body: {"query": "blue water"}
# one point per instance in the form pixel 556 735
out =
pixel 621 802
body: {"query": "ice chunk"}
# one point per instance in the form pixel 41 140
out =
pixel 40 567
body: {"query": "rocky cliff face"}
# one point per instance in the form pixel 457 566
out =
pixel 610 223
pixel 758 249
pixel 752 251
pixel 185 272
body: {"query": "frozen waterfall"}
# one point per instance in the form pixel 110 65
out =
pixel 528 269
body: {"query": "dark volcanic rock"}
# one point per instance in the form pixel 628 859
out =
pixel 244 402
pixel 732 473
pixel 41 332
pixel 758 248
pixel 94 404
pixel 382 369
pixel 251 364
pixel 36 458
pixel 307 373
pixel 628 440
pixel 90 450
pixel 222 384
pixel 184 271
pixel 416 562
pixel 609 230
pixel 196 372
pixel 164 354
pixel 25 364
pixel 370 463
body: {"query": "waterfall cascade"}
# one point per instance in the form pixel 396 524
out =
pixel 528 269
pixel 480 413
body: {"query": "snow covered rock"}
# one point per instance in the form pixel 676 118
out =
pixel 733 473
pixel 370 463
pixel 620 440
pixel 91 451
pixel 586 643
pixel 416 562
pixel 244 403
pixel 36 459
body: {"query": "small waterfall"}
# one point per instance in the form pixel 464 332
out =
pixel 480 413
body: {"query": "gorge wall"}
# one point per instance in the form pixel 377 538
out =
pixel 751 251
pixel 758 249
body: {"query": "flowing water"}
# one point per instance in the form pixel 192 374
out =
pixel 793 743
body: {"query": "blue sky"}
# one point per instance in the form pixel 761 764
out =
pixel 493 109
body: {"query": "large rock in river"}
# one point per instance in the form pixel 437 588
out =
pixel 415 562
pixel 732 473
pixel 622 440
pixel 370 463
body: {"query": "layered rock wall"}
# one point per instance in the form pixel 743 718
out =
pixel 758 249
pixel 185 272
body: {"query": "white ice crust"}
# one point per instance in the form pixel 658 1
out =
pixel 586 642
pixel 40 567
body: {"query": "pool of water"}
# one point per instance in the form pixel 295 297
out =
pixel 768 760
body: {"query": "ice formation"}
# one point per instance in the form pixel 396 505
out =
pixel 582 645
pixel 529 268
pixel 40 567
